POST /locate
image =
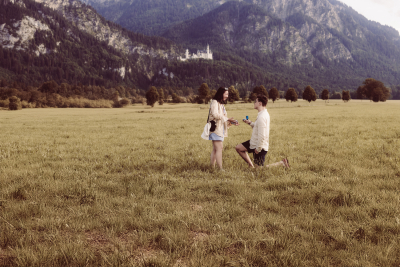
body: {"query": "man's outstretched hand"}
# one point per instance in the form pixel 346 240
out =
pixel 247 121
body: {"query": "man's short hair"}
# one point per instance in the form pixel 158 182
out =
pixel 263 99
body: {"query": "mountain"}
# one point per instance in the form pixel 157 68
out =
pixel 151 17
pixel 239 27
pixel 69 42
pixel 87 19
pixel 321 42
pixel 325 41
pixel 288 43
pixel 330 21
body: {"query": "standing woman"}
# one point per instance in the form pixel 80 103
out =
pixel 219 115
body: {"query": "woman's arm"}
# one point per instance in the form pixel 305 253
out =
pixel 215 112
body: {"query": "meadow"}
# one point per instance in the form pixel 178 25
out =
pixel 133 187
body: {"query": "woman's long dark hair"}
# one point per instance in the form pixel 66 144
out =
pixel 219 95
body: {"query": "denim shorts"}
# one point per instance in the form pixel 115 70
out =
pixel 215 137
pixel 259 158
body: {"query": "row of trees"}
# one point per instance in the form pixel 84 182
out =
pixel 204 96
pixel 50 94
pixel 14 103
pixel 371 89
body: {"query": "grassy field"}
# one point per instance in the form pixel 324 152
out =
pixel 133 187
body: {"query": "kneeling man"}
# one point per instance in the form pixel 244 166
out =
pixel 259 142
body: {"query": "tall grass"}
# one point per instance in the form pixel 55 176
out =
pixel 133 187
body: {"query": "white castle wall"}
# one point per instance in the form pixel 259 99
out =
pixel 204 54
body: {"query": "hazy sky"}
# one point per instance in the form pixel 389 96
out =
pixel 386 12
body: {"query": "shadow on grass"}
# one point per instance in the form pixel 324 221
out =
pixel 176 168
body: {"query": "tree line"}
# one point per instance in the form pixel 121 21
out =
pixel 370 89
pixel 51 94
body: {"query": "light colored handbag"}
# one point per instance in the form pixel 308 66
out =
pixel 206 132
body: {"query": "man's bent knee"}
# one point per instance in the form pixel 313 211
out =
pixel 240 148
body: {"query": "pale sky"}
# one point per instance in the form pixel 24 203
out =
pixel 386 12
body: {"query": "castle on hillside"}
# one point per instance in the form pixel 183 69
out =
pixel 205 54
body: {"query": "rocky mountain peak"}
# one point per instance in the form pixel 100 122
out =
pixel 88 20
pixel 321 10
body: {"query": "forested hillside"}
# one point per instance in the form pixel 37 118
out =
pixel 38 44
pixel 310 41
pixel 68 42
pixel 300 48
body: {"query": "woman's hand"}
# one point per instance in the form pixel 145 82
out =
pixel 233 121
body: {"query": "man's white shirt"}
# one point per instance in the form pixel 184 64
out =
pixel 260 136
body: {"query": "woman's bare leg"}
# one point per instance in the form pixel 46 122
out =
pixel 216 154
pixel 212 157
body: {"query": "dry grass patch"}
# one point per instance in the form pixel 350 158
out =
pixel 99 242
pixel 196 207
pixel 199 236
pixel 181 263
pixel 126 245
pixel 133 187
pixel 7 258
pixel 142 254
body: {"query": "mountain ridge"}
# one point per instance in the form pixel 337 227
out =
pixel 251 46
pixel 68 54
pixel 325 34
pixel 33 30
pixel 298 40
pixel 199 7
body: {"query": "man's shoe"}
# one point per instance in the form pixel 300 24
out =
pixel 286 163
